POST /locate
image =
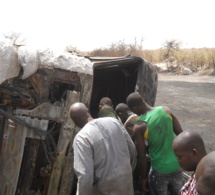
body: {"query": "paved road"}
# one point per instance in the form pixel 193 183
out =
pixel 192 99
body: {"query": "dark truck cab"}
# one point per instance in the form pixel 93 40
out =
pixel 118 77
pixel 36 132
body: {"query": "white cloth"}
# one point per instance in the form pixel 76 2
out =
pixel 104 156
pixel 131 116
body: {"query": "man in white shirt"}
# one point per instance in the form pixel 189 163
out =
pixel 104 154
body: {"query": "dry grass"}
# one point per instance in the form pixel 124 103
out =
pixel 193 58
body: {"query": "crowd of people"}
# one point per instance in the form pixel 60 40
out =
pixel 138 149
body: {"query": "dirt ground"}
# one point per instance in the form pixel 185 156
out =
pixel 192 100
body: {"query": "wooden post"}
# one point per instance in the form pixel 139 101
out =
pixel 66 134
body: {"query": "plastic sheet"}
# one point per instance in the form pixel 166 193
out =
pixel 13 59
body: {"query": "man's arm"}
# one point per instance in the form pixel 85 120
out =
pixel 176 125
pixel 139 130
pixel 131 148
pixel 83 165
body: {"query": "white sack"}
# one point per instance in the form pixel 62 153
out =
pixel 65 61
pixel 9 67
pixel 28 60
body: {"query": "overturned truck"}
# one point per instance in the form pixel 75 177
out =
pixel 37 87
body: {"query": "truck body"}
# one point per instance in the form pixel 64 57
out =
pixel 37 89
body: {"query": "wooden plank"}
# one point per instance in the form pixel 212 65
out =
pixel 28 166
pixel 14 141
pixel 67 181
pixel 87 85
pixel 66 135
pixel 12 153
pixel 68 171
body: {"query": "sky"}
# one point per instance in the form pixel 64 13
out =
pixel 93 24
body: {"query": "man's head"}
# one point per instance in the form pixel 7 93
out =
pixel 105 101
pixel 79 113
pixel 122 111
pixel 205 175
pixel 189 149
pixel 136 103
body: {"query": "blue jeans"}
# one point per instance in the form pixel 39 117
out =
pixel 165 184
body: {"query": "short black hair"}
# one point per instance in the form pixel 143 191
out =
pixel 105 101
pixel 134 99
pixel 121 107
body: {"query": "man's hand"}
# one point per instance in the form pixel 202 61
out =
pixel 145 185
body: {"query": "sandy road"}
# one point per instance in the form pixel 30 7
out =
pixel 192 99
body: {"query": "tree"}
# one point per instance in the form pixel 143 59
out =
pixel 171 46
pixel 71 49
pixel 121 48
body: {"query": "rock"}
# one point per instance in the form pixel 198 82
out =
pixel 210 71
pixel 183 70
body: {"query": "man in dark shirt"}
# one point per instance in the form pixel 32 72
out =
pixel 106 108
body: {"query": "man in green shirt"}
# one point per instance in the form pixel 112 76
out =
pixel 156 125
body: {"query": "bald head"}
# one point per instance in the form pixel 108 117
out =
pixel 189 149
pixel 205 175
pixel 79 113
pixel 188 140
